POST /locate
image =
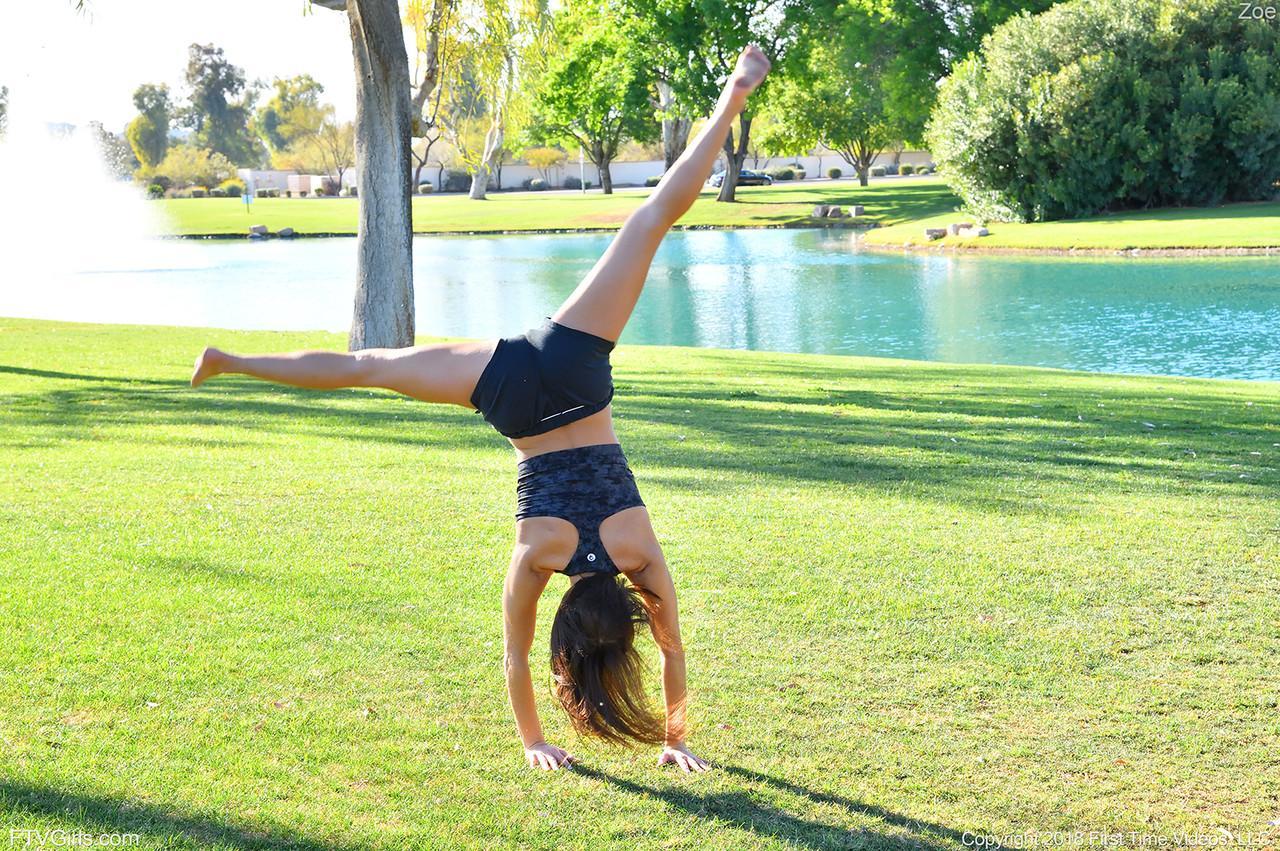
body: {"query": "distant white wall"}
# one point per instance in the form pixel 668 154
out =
pixel 635 173
pixel 286 180
pixel 624 173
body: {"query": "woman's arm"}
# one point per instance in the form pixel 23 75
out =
pixel 664 621
pixel 523 587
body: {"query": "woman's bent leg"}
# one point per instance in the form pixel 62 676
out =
pixel 445 372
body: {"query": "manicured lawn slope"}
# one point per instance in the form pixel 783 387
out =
pixel 902 207
pixel 887 202
pixel 1230 226
pixel 919 600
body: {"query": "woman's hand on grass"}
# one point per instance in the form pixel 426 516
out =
pixel 548 757
pixel 683 757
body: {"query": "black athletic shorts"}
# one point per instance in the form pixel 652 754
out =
pixel 543 379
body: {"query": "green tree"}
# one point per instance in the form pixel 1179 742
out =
pixel 293 112
pixel 595 87
pixel 439 31
pixel 220 105
pixel 696 42
pixel 115 151
pixel 836 93
pixel 1113 104
pixel 148 133
pixel 330 151
pixel 190 165
pixel 544 160
pixel 500 39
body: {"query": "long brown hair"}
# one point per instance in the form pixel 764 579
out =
pixel 598 674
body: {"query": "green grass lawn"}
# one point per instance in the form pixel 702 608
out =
pixel 901 207
pixel 919 600
pixel 758 206
pixel 1230 226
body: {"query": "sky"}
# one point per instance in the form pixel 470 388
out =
pixel 64 66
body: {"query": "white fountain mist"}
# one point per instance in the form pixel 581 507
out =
pixel 68 227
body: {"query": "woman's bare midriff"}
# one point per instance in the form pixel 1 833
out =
pixel 588 431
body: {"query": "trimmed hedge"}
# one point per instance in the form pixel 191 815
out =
pixel 455 180
pixel 1113 104
pixel 652 181
pixel 906 168
pixel 783 174
pixel 834 173
pixel 877 171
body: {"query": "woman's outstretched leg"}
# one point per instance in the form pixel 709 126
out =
pixel 446 372
pixel 603 302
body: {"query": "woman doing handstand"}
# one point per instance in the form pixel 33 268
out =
pixel 578 509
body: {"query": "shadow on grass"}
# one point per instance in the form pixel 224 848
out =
pixel 740 809
pixel 936 432
pixel 98 814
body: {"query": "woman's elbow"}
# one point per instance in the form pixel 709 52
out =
pixel 514 662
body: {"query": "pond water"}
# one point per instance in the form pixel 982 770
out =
pixel 775 290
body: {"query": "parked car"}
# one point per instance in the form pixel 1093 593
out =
pixel 746 177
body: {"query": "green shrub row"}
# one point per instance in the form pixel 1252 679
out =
pixel 1100 105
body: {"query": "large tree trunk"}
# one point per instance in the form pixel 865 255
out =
pixel 493 141
pixel 734 157
pixel 384 248
pixel 675 130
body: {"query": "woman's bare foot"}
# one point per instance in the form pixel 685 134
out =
pixel 753 66
pixel 209 364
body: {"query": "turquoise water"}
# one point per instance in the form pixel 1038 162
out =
pixel 776 290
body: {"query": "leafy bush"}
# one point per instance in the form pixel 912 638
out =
pixel 783 174
pixel 1113 104
pixel 653 181
pixel 162 181
pixel 572 182
pixel 537 184
pixel 906 168
pixel 232 188
pixel 877 171
pixel 426 187
pixel 834 173
pixel 331 186
pixel 217 192
pixel 199 191
pixel 155 190
pixel 455 181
